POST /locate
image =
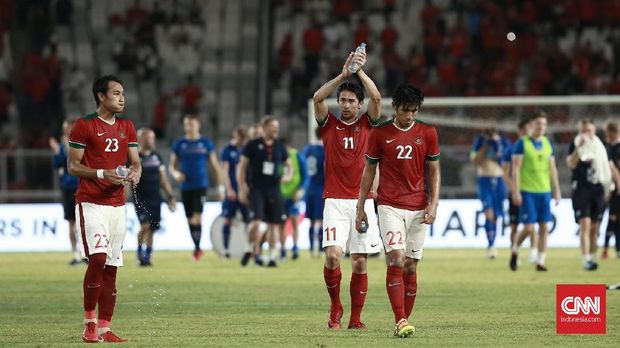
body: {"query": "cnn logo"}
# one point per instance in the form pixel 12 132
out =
pixel 575 305
pixel 580 309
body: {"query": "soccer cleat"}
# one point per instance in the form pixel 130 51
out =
pixel 74 262
pixel 246 258
pixel 227 255
pixel 198 254
pixel 334 318
pixel 272 263
pixel 541 268
pixel 258 261
pixel 90 333
pixel 295 252
pixel 403 329
pixel 491 253
pixel 110 337
pixel 356 325
pixel 590 265
pixel 605 255
pixel 514 258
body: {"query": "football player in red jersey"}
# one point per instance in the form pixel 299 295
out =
pixel 345 141
pixel 99 143
pixel 406 150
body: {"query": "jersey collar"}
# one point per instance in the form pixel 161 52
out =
pixel 110 123
pixel 401 129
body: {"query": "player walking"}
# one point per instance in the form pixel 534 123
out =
pixel 315 162
pixel 229 159
pixel 99 143
pixel 188 166
pixel 292 192
pixel 147 197
pixel 68 185
pixel 407 151
pixel 345 140
pixel 533 173
pixel 487 153
pixel 612 135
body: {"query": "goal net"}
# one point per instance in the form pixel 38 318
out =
pixel 460 119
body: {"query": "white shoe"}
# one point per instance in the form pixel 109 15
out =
pixel 491 253
pixel 534 258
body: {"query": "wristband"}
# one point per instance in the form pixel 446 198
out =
pixel 100 174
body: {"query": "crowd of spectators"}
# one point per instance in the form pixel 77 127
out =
pixel 561 47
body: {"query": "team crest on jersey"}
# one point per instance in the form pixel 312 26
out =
pixel 121 134
pixel 418 140
pixel 357 129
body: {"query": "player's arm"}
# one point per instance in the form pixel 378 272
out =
pixel 573 158
pixel 555 181
pixel 320 105
pixel 434 181
pixel 215 164
pixel 78 169
pixel 242 169
pixel 517 160
pixel 374 105
pixel 478 152
pixel 288 171
pixel 368 177
pixel 173 168
pixel 506 173
pixel 375 184
pixel 135 167
pixel 615 173
pixel 230 192
pixel 165 185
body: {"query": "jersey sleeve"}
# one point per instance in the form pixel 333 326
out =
pixel 373 151
pixel 432 149
pixel 132 136
pixel 176 147
pixel 571 147
pixel 249 149
pixel 78 137
pixel 326 120
pixel 552 148
pixel 475 147
pixel 162 166
pixel 518 148
pixel 507 158
pixel 58 158
pixel 224 155
pixel 209 145
pixel 372 123
pixel 284 152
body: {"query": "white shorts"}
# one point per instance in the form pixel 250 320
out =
pixel 401 230
pixel 102 228
pixel 339 227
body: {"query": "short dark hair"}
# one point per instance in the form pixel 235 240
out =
pixel 524 122
pixel 267 120
pixel 192 116
pixel 612 126
pixel 406 94
pixel 241 131
pixel 539 114
pixel 351 87
pixel 101 85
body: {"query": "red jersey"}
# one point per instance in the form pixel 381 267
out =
pixel 402 156
pixel 105 147
pixel 345 146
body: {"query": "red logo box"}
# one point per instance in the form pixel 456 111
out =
pixel 580 309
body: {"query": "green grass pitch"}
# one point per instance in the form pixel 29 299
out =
pixel 463 300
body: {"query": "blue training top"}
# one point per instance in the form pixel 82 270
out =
pixel 315 167
pixel 193 156
pixel 148 189
pixel 67 181
pixel 231 154
pixel 496 148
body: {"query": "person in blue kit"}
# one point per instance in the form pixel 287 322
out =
pixel 292 192
pixel 315 167
pixel 188 166
pixel 147 196
pixel 68 186
pixel 229 159
pixel 487 153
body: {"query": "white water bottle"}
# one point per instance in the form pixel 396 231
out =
pixel 354 67
pixel 122 171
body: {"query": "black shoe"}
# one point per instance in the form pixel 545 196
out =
pixel 514 258
pixel 295 254
pixel 590 266
pixel 227 255
pixel 272 263
pixel 258 262
pixel 541 268
pixel 74 262
pixel 246 258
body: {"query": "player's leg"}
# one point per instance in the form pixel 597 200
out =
pixel 393 234
pixel 295 224
pixel 154 224
pixel 107 299
pixel 310 215
pixel 275 215
pixel 257 214
pixel 68 204
pixel 335 237
pixel 613 225
pixel 144 226
pixel 598 208
pixel 416 233
pixel 485 194
pixel 95 239
pixel 543 208
pixel 273 232
pixel 361 244
pixel 229 210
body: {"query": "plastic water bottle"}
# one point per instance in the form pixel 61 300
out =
pixel 364 227
pixel 354 67
pixel 122 171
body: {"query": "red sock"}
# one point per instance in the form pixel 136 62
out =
pixel 358 290
pixel 396 291
pixel 332 282
pixel 107 297
pixel 411 289
pixel 93 279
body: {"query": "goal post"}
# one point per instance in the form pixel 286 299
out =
pixel 460 119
